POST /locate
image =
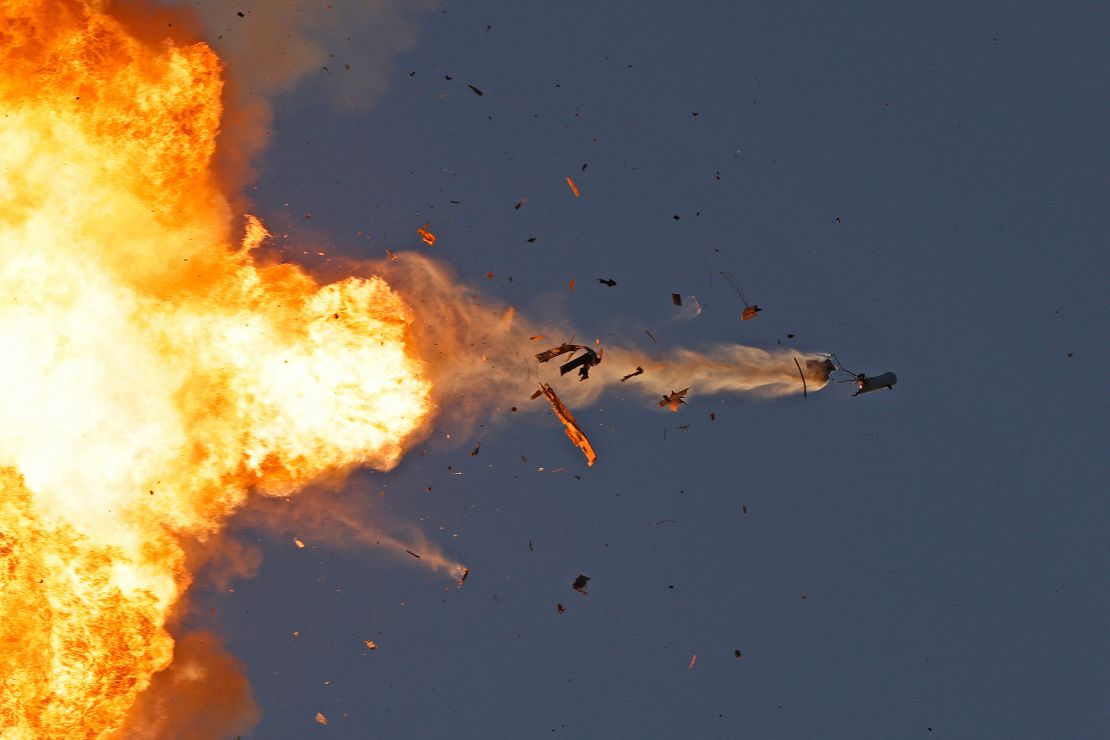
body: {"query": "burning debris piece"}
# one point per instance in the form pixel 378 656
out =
pixel 463 577
pixel 426 236
pixel 573 188
pixel 370 644
pixel 638 371
pixel 674 400
pixel 583 362
pixel 750 310
pixel 574 432
pixel 579 584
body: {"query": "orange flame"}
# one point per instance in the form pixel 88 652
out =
pixel 155 372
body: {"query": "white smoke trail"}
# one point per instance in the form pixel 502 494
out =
pixel 478 365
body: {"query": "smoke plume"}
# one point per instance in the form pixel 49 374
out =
pixel 202 695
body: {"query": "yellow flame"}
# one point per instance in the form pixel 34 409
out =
pixel 154 372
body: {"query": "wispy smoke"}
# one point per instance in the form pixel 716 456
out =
pixel 323 515
pixel 338 52
pixel 345 46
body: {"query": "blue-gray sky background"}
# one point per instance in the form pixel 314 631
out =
pixel 927 562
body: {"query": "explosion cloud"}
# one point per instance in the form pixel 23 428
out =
pixel 160 371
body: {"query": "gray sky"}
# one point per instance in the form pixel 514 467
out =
pixel 927 562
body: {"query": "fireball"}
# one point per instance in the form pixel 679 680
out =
pixel 156 372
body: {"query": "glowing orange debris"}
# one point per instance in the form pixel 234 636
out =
pixel 428 237
pixel 574 432
pixel 298 543
pixel 573 188
pixel 750 312
pixel 321 718
pixel 674 399
pixel 370 644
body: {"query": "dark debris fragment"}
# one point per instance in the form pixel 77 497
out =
pixel 589 358
pixel 579 584
pixel 674 399
pixel 638 371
